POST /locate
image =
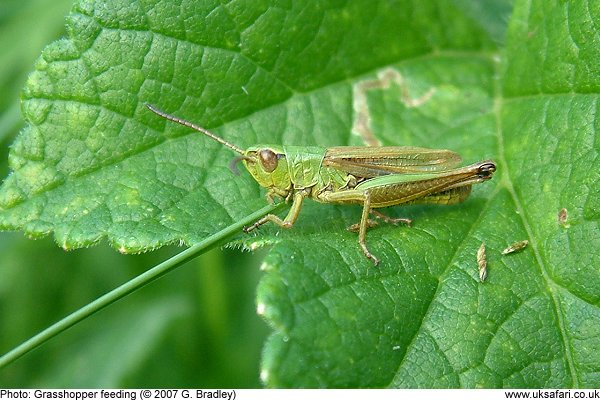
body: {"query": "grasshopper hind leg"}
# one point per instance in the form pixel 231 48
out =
pixel 371 223
pixel 390 220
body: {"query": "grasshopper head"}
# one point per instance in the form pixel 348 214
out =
pixel 268 166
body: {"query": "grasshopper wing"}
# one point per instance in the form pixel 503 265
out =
pixel 369 162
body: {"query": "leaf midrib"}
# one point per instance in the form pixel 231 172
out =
pixel 460 246
pixel 507 182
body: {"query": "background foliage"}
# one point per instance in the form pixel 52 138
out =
pixel 197 327
pixel 93 163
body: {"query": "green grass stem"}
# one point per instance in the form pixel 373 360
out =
pixel 133 285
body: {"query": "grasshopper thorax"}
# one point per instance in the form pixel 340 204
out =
pixel 268 166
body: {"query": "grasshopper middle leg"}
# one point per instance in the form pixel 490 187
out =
pixel 362 231
pixel 355 196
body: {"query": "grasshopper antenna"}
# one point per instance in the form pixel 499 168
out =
pixel 194 127
pixel 233 164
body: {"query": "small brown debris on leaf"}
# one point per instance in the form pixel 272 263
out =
pixel 562 217
pixel 482 262
pixel 517 246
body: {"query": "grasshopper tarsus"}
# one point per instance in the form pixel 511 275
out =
pixel 368 254
pixel 269 218
pixel 362 227
pixel 390 220
pixel 248 229
pixel 371 223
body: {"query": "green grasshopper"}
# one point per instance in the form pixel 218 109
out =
pixel 374 177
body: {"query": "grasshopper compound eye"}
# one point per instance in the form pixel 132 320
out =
pixel 268 159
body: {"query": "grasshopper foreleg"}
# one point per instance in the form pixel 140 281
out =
pixel 289 220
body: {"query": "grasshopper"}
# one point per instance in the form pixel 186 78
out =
pixel 373 177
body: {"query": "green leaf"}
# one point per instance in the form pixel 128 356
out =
pixel 94 163
pixel 126 337
pixel 423 319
